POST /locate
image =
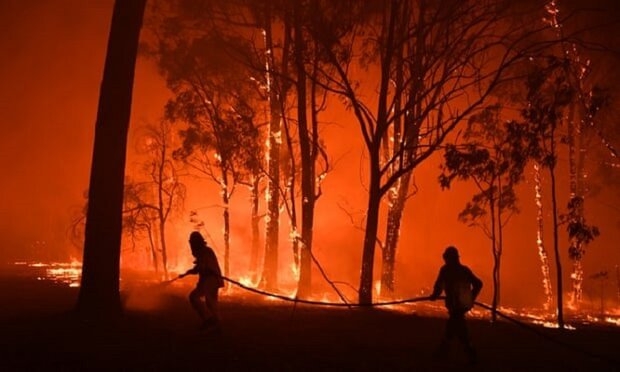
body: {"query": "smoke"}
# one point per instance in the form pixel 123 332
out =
pixel 149 296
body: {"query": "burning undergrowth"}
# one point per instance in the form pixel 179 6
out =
pixel 141 292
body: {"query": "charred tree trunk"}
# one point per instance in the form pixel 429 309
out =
pixel 269 277
pixel 495 299
pixel 575 248
pixel 226 216
pixel 308 173
pixel 164 253
pixel 160 210
pixel 395 214
pixel 255 220
pixel 99 291
pixel 542 252
pixel 373 144
pixel 556 249
pixel 408 134
pixel 370 236
pixel 396 205
pixel 500 241
pixel 153 251
pixel 500 248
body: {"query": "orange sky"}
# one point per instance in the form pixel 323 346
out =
pixel 53 53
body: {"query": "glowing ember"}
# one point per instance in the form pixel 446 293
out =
pixel 549 324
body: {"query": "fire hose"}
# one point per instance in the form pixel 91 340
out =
pixel 605 358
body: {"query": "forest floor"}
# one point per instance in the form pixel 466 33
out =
pixel 159 331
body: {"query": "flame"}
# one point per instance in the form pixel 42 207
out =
pixel 247 281
pixel 542 253
pixel 68 273
pixel 378 287
pixel 295 271
pixel 614 321
pixel 551 324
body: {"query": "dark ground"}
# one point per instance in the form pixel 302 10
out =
pixel 40 333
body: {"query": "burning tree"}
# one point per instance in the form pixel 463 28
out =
pixel 149 204
pixel 225 73
pixel 580 234
pixel 99 290
pixel 139 221
pixel 218 103
pixel 579 123
pixel 542 251
pixel 272 44
pixel 309 89
pixel 493 158
pixel 549 93
pixel 451 55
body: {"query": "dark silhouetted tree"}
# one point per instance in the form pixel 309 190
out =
pixel 493 159
pixel 452 54
pixel 99 291
pixel 548 94
pixel 150 203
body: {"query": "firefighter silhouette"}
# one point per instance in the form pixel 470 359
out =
pixel 204 297
pixel 461 287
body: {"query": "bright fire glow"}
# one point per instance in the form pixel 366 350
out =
pixel 69 273
pixel 542 253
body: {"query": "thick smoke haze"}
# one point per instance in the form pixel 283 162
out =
pixel 51 67
pixel 52 63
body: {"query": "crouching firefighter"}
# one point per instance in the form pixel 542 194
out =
pixel 209 282
pixel 461 288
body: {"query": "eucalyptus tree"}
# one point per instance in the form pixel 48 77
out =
pixel 310 99
pixel 235 41
pixel 159 193
pixel 451 55
pixel 492 157
pixel 581 129
pixel 217 102
pixel 548 94
pixel 99 290
pixel 139 223
pixel 271 44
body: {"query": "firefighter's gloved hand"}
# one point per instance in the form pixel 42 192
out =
pixel 433 297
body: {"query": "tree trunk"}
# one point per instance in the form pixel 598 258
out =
pixel 556 249
pixel 160 211
pixel 164 253
pixel 410 130
pixel 542 252
pixel 153 249
pixel 226 216
pixel 495 298
pixel 255 219
pixel 370 236
pixel 99 291
pixel 577 279
pixel 396 196
pixel 500 242
pixel 307 163
pixel 395 214
pixel 576 245
pixel 269 278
